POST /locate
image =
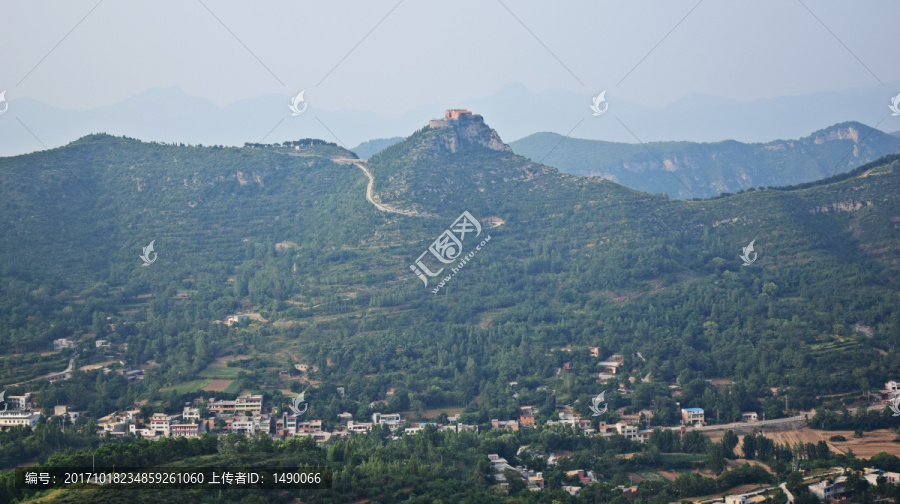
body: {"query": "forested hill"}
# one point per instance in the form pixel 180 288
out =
pixel 579 261
pixel 688 169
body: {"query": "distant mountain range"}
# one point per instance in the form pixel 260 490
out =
pixel 169 115
pixel 702 170
pixel 367 149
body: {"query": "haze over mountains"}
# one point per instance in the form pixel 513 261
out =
pixel 702 170
pixel 169 115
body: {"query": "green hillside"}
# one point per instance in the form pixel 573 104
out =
pixel 285 232
pixel 702 170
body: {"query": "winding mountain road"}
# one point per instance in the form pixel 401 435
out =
pixel 370 195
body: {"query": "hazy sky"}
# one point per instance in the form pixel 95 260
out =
pixel 422 52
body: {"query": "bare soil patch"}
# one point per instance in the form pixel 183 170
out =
pixel 228 358
pixel 871 443
pixel 217 385
pixel 669 475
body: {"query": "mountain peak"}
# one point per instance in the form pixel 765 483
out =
pixel 850 130
pixel 460 128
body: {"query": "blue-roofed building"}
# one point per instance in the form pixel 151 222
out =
pixel 691 416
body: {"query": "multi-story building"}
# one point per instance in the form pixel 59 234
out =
pixel 627 431
pixel 186 429
pixel 309 426
pixel 190 413
pixel 251 403
pixel 828 489
pixel 526 419
pixel 505 424
pixel 358 427
pixel 391 421
pixel 19 402
pixel 242 425
pixel 17 418
pixel 160 425
pixel 691 416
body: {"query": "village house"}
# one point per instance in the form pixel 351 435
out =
pixel 242 425
pixel 63 343
pixel 160 425
pixel 536 481
pixel 235 319
pixel 691 416
pixel 251 403
pixel 392 421
pixel 611 366
pixel 190 413
pixel 19 402
pixel 187 429
pixel 605 430
pixel 458 427
pixel 573 490
pixel 358 427
pixel 872 474
pixel 585 478
pixel 132 374
pixel 505 424
pixel 828 488
pixel 309 427
pixel 17 418
pixel 499 463
pixel 573 420
pixel 627 431
pixel 526 416
pixel 115 423
pixel 318 436
pixel 63 410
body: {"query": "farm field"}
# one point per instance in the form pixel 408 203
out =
pixel 871 443
pixel 188 386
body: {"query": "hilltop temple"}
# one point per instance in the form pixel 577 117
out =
pixel 450 115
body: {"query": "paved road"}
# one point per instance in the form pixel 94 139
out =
pixel 370 197
pixel 790 498
pixel 48 375
pixel 760 423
